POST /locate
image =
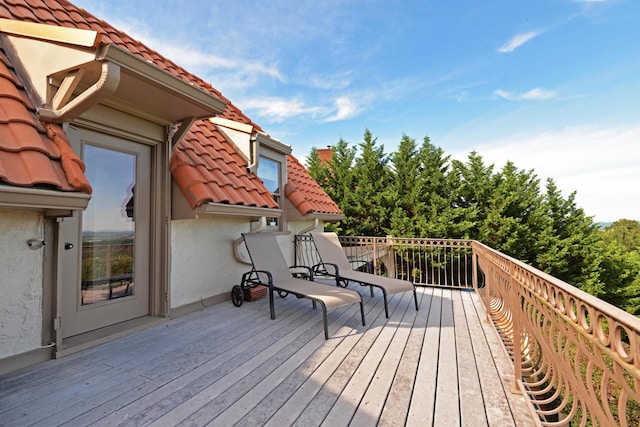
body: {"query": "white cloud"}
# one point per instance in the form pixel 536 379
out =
pixel 279 109
pixel 340 82
pixel 345 109
pixel 517 41
pixel 224 71
pixel 601 165
pixel 535 94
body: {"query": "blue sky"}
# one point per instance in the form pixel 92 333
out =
pixel 552 85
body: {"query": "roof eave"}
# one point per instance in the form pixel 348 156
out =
pixel 71 62
pixel 141 85
pixel 180 211
pixel 202 104
pixel 54 202
pixel 326 217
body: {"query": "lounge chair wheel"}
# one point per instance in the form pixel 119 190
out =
pixel 283 294
pixel 236 295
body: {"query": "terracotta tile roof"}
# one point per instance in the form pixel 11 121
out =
pixel 228 184
pixel 65 14
pixel 204 165
pixel 33 154
pixel 208 169
pixel 305 193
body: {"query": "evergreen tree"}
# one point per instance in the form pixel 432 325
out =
pixel 624 231
pixel 369 215
pixel 403 193
pixel 317 169
pixel 340 182
pixel 569 244
pixel 419 192
pixel 514 213
pixel 437 195
pixel 340 174
pixel 622 264
pixel 475 184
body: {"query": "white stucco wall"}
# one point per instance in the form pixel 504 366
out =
pixel 21 281
pixel 202 260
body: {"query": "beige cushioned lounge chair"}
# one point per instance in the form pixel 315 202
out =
pixel 334 263
pixel 272 269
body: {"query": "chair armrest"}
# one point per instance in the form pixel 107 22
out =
pixel 360 263
pixel 322 270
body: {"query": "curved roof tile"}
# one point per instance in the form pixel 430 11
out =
pixel 204 165
pixel 305 193
pixel 31 154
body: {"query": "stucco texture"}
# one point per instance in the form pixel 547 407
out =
pixel 20 281
pixel 202 260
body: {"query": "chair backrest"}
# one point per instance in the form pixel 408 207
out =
pixel 265 254
pixel 330 249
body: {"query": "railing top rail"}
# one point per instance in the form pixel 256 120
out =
pixel 603 307
pixel 409 240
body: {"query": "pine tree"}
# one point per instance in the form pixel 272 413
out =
pixel 317 169
pixel 473 191
pixel 369 215
pixel 515 213
pixel 403 193
pixel 420 192
pixel 570 247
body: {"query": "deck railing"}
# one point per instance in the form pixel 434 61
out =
pixel 576 357
pixel 435 262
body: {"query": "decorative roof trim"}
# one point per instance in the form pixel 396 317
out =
pixel 75 36
pixel 242 127
pixel 273 144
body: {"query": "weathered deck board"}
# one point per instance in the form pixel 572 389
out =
pixel 396 407
pixel 472 411
pixel 224 365
pixel 447 410
pixel 422 406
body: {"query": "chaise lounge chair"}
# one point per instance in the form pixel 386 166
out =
pixel 269 263
pixel 334 263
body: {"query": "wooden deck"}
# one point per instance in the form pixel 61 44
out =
pixel 222 366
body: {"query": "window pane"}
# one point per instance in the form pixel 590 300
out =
pixel 108 226
pixel 269 172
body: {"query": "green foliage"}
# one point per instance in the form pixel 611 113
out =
pixel 421 192
pixel 368 209
pixel 624 231
pixel 621 264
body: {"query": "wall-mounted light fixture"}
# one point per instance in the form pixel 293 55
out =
pixel 35 243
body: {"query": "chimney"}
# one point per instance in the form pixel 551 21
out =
pixel 324 154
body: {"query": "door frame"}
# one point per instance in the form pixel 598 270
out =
pixel 115 123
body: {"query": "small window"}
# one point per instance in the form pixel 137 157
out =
pixel 270 171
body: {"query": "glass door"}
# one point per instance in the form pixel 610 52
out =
pixel 105 249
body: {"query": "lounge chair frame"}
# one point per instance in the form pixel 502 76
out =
pixel 298 284
pixel 343 278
